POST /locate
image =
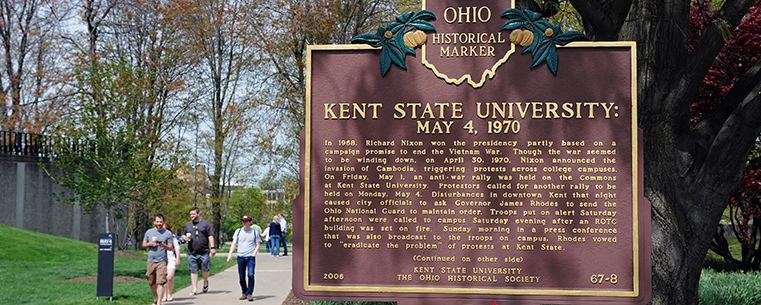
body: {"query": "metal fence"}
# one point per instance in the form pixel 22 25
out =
pixel 24 144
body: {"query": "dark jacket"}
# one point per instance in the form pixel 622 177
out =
pixel 275 229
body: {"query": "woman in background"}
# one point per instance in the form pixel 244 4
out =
pixel 172 262
pixel 275 236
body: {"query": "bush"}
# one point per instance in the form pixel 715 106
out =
pixel 730 288
pixel 716 263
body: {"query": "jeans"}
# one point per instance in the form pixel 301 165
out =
pixel 282 241
pixel 275 239
pixel 243 263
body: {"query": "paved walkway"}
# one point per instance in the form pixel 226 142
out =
pixel 273 283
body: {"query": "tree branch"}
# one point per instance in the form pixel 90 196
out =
pixel 603 19
pixel 729 131
pixel 548 8
pixel 689 79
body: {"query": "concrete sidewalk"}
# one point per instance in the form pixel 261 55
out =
pixel 273 283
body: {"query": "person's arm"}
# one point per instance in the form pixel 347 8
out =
pixel 256 249
pixel 211 244
pixel 148 244
pixel 176 251
pixel 232 248
pixel 169 246
pixel 184 236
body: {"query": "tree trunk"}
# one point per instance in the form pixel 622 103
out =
pixel 216 184
pixel 690 174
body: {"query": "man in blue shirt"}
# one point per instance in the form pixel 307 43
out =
pixel 157 240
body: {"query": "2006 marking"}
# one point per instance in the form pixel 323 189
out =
pixel 332 276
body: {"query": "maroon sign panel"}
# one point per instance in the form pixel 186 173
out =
pixel 525 188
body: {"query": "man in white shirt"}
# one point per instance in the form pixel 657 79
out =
pixel 283 233
pixel 248 242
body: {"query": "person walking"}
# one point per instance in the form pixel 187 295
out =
pixel 248 241
pixel 266 238
pixel 173 261
pixel 158 241
pixel 256 227
pixel 275 236
pixel 200 238
pixel 283 233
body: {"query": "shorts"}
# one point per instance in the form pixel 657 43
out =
pixel 196 262
pixel 156 273
pixel 171 263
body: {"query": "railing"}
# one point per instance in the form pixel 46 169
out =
pixel 24 144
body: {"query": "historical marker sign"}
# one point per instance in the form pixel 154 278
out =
pixel 522 186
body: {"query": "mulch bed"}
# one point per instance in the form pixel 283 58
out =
pixel 293 300
pixel 120 253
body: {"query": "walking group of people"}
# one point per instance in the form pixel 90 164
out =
pixel 164 253
pixel 275 234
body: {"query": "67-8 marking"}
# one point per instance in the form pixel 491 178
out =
pixel 603 278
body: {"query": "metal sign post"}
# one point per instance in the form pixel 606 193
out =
pixel 106 266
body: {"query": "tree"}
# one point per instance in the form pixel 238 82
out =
pixel 219 33
pixel 28 82
pixel 744 215
pixel 284 29
pixel 248 201
pixel 736 57
pixel 114 146
pixel 103 153
pixel 690 172
pixel 144 35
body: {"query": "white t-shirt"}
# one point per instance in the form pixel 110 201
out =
pixel 247 240
pixel 170 254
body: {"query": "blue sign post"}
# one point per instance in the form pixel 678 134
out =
pixel 106 266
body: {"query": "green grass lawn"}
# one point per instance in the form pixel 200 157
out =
pixel 730 288
pixel 734 247
pixel 35 268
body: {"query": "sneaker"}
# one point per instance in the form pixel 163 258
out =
pixel 242 297
pixel 250 298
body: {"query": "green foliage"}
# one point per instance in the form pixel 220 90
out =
pixel 45 260
pixel 715 263
pixel 108 152
pixel 730 288
pixel 248 201
pixel 566 17
pixel 174 199
pixel 36 268
pixel 733 245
